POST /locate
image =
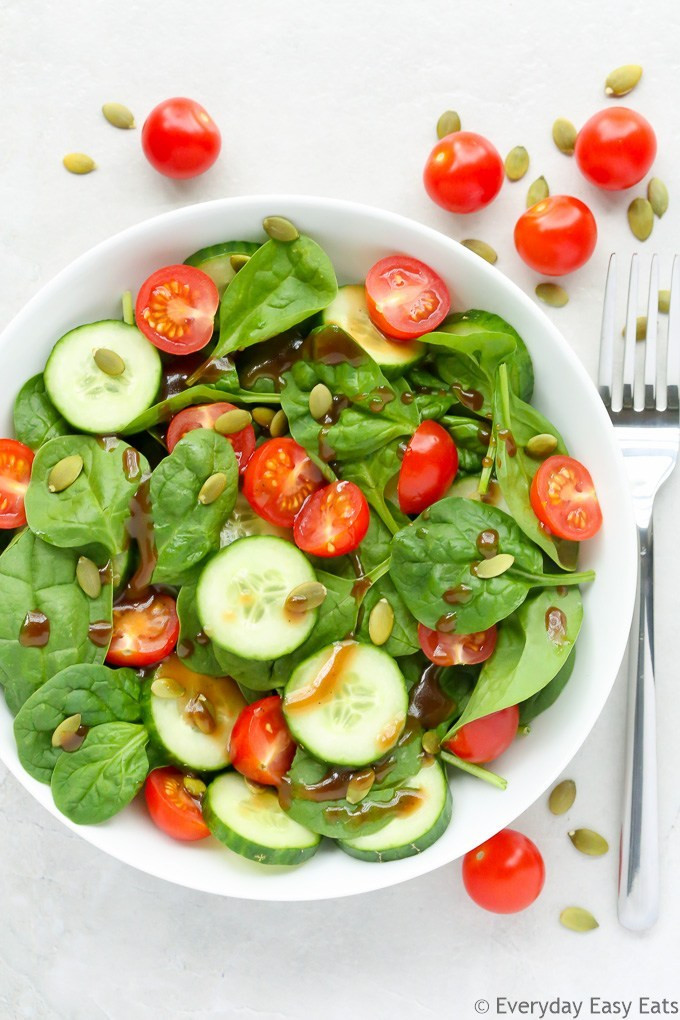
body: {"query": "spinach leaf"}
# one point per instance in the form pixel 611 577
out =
pixel 484 323
pixel 194 648
pixel 36 419
pixel 185 530
pixel 533 645
pixel 432 395
pixel 515 474
pixel 95 508
pixel 375 547
pixel 100 778
pixel 373 474
pixel 36 577
pixel 96 693
pixel 164 410
pixel 472 441
pixel 548 695
pixel 468 365
pixel 253 673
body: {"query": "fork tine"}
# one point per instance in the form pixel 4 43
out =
pixel 631 327
pixel 673 358
pixel 605 373
pixel 645 394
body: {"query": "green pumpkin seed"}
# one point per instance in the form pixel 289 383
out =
pixel 430 742
pixel 578 919
pixel 448 124
pixel 537 192
pixel 79 163
pixel 360 785
pixel 495 566
pixel 232 421
pixel 193 785
pixel 108 361
pixel 516 163
pixel 657 195
pixel 381 622
pixel 306 596
pixel 564 135
pixel 641 218
pixel 65 729
pixel 200 712
pixel 118 115
pixel 212 488
pixel 279 425
pixel 541 446
pixel 552 294
pixel 664 301
pixel 263 416
pixel 622 80
pixel 481 248
pixel 64 473
pixel 320 401
pixel 88 577
pixel 238 261
pixel 280 229
pixel 589 842
pixel 562 797
pixel 167 687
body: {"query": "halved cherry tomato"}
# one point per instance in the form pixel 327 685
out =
pixel 172 808
pixel 457 649
pixel 484 739
pixel 428 468
pixel 16 461
pixel 505 874
pixel 405 298
pixel 563 498
pixel 615 148
pixel 204 416
pixel 180 139
pixel 261 748
pixel 333 521
pixel 176 308
pixel 464 172
pixel 557 235
pixel 278 479
pixel 145 630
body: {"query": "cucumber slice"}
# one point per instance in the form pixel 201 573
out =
pixel 169 719
pixel 241 595
pixel 244 522
pixel 214 261
pixel 251 822
pixel 467 487
pixel 418 823
pixel 89 399
pixel 347 703
pixel 348 310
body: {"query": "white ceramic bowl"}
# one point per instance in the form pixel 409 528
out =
pixel 355 237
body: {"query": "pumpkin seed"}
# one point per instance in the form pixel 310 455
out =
pixel 279 425
pixel 589 842
pixel 212 488
pixel 657 195
pixel 448 124
pixel 481 248
pixel 552 294
pixel 238 260
pixel 263 416
pixel 564 135
pixel 88 577
pixel 495 566
pixel 381 622
pixel 562 797
pixel 201 714
pixel 664 301
pixel 622 80
pixel 320 401
pixel 118 115
pixel 232 421
pixel 641 218
pixel 66 728
pixel 578 919
pixel 108 361
pixel 64 473
pixel 280 229
pixel 537 192
pixel 306 596
pixel 541 446
pixel 516 163
pixel 79 163
pixel 359 785
pixel 167 687
pixel 193 785
pixel 430 742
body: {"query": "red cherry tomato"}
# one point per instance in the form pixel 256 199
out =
pixel 557 235
pixel 16 461
pixel 333 521
pixel 278 479
pixel 485 739
pixel 505 874
pixel 204 416
pixel 464 172
pixel 457 649
pixel 428 468
pixel 172 808
pixel 261 747
pixel 563 498
pixel 615 148
pixel 180 139
pixel 145 630
pixel 176 308
pixel 405 298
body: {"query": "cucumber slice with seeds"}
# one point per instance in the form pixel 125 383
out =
pixel 468 488
pixel 348 310
pixel 214 261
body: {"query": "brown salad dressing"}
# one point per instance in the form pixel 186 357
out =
pixel 472 399
pixel 321 689
pixel 487 543
pixel 35 630
pixel 506 436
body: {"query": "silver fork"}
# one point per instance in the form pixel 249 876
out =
pixel 646 419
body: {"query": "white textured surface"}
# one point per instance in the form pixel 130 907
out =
pixel 338 100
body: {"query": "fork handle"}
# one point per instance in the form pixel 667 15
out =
pixel 638 903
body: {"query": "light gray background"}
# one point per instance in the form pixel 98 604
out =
pixel 333 99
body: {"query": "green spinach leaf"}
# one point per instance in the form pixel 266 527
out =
pixel 468 366
pixel 373 474
pixel 36 419
pixel 484 324
pixel 194 648
pixel 548 695
pixel 253 673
